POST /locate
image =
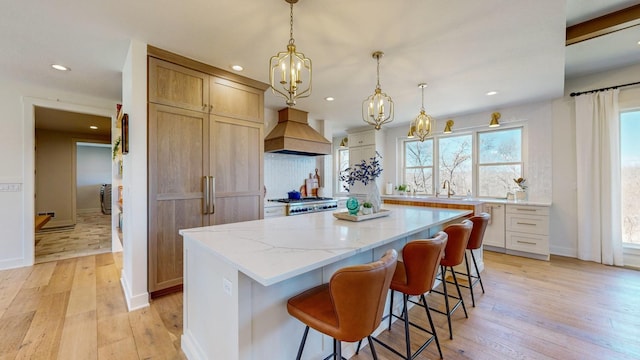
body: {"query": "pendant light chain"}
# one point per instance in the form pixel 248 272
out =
pixel 291 41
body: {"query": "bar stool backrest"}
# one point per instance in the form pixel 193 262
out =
pixel 477 233
pixel 359 293
pixel 421 259
pixel 456 243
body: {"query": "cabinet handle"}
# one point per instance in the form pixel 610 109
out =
pixel 527 242
pixel 213 195
pixel 210 108
pixel 525 209
pixel 205 197
pixel 522 223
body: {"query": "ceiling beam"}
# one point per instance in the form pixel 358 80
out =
pixel 604 25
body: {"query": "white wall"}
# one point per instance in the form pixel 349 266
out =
pixel 93 168
pixel 17 159
pixel 134 178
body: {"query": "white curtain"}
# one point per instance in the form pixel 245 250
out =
pixel 598 165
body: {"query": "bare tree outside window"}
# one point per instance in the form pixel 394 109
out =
pixel 630 176
pixel 499 161
pixel 455 162
pixel 418 165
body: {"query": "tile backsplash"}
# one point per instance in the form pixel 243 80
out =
pixel 283 173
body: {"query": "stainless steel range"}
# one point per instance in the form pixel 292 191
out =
pixel 308 205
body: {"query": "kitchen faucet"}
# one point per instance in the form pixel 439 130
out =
pixel 446 184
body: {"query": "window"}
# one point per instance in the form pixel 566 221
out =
pixel 455 163
pixel 418 165
pixel 343 163
pixel 630 176
pixel 499 161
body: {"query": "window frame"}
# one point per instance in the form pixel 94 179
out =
pixel 403 168
pixel 475 156
pixel 478 165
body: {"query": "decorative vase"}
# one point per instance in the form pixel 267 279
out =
pixel 366 210
pixel 353 206
pixel 373 196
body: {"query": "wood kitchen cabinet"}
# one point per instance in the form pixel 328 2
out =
pixel 206 131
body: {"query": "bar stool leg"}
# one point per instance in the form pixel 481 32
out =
pixel 473 257
pixel 391 310
pixel 405 315
pixel 373 349
pixel 433 328
pixel 304 339
pixel 455 280
pixel 443 271
pixel 469 278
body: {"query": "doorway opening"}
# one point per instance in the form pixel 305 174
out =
pixel 72 164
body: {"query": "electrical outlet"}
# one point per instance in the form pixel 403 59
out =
pixel 226 286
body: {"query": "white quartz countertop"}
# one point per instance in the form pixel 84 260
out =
pixel 276 249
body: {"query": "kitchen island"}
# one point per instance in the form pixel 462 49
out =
pixel 238 277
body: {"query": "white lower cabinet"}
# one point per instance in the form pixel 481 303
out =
pixel 274 211
pixel 494 234
pixel 527 230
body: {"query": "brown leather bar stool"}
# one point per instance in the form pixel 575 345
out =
pixel 415 276
pixel 480 223
pixel 348 308
pixel 453 256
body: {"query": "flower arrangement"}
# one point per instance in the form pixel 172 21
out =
pixel 521 183
pixel 364 172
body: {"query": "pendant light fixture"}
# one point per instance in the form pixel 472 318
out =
pixel 290 71
pixel 494 119
pixel 377 109
pixel 423 124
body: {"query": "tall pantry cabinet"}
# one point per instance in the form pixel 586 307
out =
pixel 206 143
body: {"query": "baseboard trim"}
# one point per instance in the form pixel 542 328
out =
pixel 133 302
pixel 15 263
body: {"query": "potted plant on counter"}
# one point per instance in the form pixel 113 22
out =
pixel 367 208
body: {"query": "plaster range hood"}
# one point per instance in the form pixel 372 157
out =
pixel 293 135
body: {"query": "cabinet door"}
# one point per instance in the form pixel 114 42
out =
pixel 174 85
pixel 230 99
pixel 494 234
pixel 237 161
pixel 178 161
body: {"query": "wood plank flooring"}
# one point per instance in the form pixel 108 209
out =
pixel 90 235
pixel 562 309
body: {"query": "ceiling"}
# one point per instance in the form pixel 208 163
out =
pixel 462 49
pixel 71 122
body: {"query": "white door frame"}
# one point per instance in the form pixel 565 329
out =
pixel 29 126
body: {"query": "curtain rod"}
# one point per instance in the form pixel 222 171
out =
pixel 602 89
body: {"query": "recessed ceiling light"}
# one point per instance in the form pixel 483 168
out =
pixel 329 98
pixel 60 67
pixel 237 67
pixel 490 93
pixel 93 127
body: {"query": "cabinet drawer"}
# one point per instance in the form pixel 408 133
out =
pixel 532 243
pixel 528 210
pixel 529 224
pixel 274 211
pixel 362 138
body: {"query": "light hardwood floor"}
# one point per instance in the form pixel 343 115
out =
pixel 90 236
pixel 562 309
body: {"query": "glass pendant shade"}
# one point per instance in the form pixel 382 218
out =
pixel 423 124
pixel 377 109
pixel 290 71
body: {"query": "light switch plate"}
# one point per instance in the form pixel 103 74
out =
pixel 10 187
pixel 226 286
